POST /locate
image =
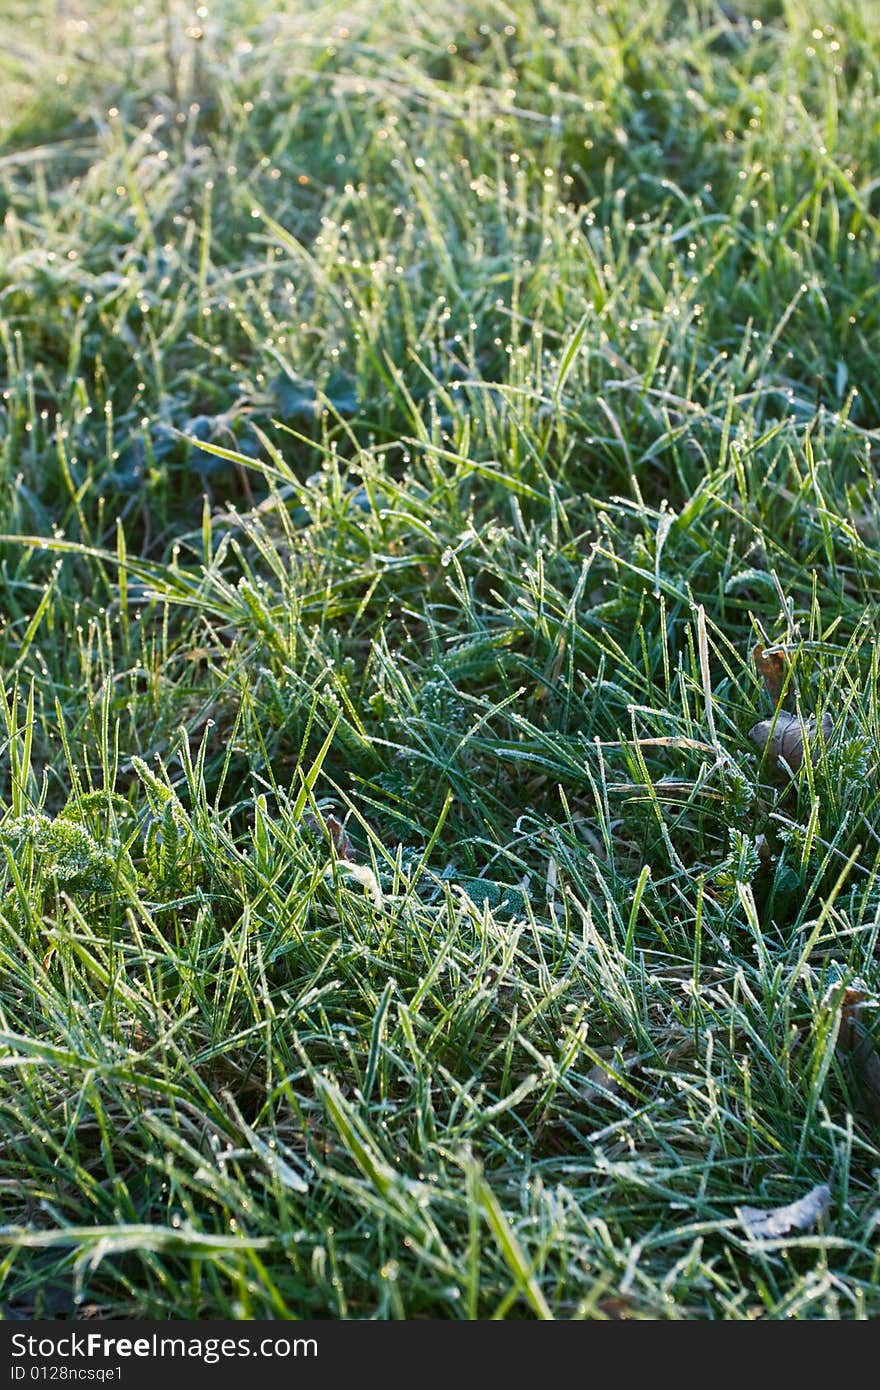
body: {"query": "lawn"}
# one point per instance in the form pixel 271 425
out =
pixel 418 422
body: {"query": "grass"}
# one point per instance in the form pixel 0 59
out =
pixel 419 414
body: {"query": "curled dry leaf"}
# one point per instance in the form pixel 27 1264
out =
pixel 781 1221
pixel 851 1000
pixel 784 737
pixel 332 826
pixel 616 1308
pixel 855 1044
pixel 772 667
pixel 345 855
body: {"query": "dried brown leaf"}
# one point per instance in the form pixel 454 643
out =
pixel 850 1002
pixel 781 1221
pixel 332 826
pixel 866 1061
pixel 855 1043
pixel 784 737
pixel 773 668
pixel 616 1308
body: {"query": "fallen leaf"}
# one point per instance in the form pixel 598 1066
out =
pixel 781 1221
pixel 332 826
pixel 855 1043
pixel 850 1002
pixel 615 1308
pixel 773 668
pixel 866 1062
pixel 785 735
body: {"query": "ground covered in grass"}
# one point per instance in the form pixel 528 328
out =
pixel 413 419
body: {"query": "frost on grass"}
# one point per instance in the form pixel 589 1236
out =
pixel 62 849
